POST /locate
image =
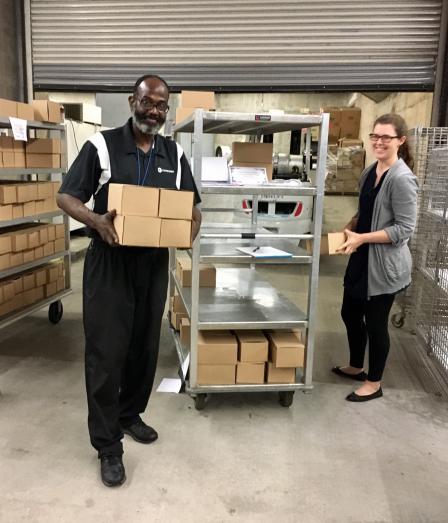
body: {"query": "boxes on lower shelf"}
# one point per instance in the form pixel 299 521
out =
pixel 177 311
pixel 250 373
pixel 286 349
pixel 252 346
pixel 207 273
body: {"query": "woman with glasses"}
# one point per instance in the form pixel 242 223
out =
pixel 380 261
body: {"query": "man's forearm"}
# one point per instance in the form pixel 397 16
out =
pixel 76 209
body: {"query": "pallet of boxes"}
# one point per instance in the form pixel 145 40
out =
pixel 192 100
pixel 346 155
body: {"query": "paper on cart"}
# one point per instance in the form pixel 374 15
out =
pixel 185 366
pixel 19 128
pixel 248 175
pixel 170 385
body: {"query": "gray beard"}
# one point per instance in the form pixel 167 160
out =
pixel 144 128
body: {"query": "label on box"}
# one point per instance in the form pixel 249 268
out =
pixel 19 128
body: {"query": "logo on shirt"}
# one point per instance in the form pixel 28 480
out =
pixel 160 170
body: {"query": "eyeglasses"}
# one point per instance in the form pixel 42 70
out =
pixel 146 103
pixel 385 138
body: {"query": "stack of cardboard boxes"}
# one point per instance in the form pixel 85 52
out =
pixel 43 153
pixel 151 217
pixel 38 110
pixel 29 287
pixel 246 154
pixel 23 199
pixel 29 242
pixel 191 100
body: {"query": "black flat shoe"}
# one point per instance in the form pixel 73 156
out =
pixel 112 471
pixel 361 376
pixel 141 432
pixel 356 398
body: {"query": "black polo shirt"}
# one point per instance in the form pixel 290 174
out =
pixel 126 163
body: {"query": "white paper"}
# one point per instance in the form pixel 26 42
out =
pixel 19 128
pixel 248 175
pixel 264 252
pixel 170 385
pixel 214 169
pixel 185 366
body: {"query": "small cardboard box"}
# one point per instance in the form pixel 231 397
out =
pixel 17 211
pixel 7 144
pixel 49 204
pixel 198 99
pixel 217 348
pixel 19 240
pixel 18 284
pixel 44 236
pixel 56 187
pixel 26 192
pixel 52 272
pixel 132 200
pixel 33 237
pixel 176 205
pixel 51 232
pixel 40 208
pixel 8 159
pixel 177 305
pixel 207 273
pixel 43 146
pixel 176 318
pixel 286 350
pixel 44 190
pixel 28 256
pixel 59 245
pixel 46 111
pixel 59 230
pixel 60 284
pixel 9 290
pixel 7 194
pixel 185 332
pixel 8 108
pixel 216 374
pixel 252 346
pixel 250 373
pixel 183 112
pixel 19 159
pixel 29 209
pixel 335 240
pixel 350 122
pixel 48 249
pixel 5 261
pixel 41 277
pixel 25 111
pixel 245 154
pixel 50 289
pixel 138 231
pixel 175 233
pixel 43 161
pixel 29 281
pixel 38 253
pixel 350 142
pixel 5 212
pixel 5 243
pixel 280 375
pixel 15 259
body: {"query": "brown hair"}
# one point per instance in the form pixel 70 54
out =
pixel 401 129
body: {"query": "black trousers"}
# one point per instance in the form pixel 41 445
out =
pixel 368 320
pixel 124 294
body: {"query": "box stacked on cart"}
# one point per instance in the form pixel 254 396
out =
pixel 252 356
pixel 286 354
pixel 151 217
pixel 217 358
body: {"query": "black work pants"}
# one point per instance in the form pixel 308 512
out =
pixel 124 294
pixel 368 320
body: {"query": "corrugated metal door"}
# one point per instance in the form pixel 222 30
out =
pixel 234 44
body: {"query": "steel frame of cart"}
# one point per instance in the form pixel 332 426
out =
pixel 211 309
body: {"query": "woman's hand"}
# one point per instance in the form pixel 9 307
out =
pixel 353 241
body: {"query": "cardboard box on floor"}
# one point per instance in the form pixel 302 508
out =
pixel 252 346
pixel 245 154
pixel 207 273
pixel 217 348
pixel 286 349
pixel 250 373
pixel 216 374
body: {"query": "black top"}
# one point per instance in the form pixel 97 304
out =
pixel 356 275
pixel 160 165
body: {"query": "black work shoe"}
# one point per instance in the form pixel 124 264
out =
pixel 112 471
pixel 141 432
pixel 361 376
pixel 356 398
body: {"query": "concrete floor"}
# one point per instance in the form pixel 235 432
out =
pixel 244 458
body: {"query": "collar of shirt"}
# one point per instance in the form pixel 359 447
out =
pixel 129 145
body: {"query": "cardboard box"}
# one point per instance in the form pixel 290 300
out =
pixel 39 293
pixel 59 245
pixel 48 249
pixel 335 240
pixel 5 212
pixel 29 209
pixel 19 240
pixel 245 154
pixel 83 112
pixel 40 208
pixel 51 232
pixel 252 346
pixel 19 159
pixel 46 111
pixel 43 161
pixel 217 348
pixel 25 192
pixel 43 146
pixel 56 187
pixel 60 230
pixel 8 290
pixel 29 297
pixel 52 272
pixel 350 142
pixel 38 253
pixel 44 190
pixel 7 144
pixel 207 273
pixel 60 284
pixel 185 332
pixel 18 284
pixel 4 261
pixel 50 289
pixel 176 304
pixel 61 268
pixel 49 205
pixel 175 233
pixel 285 349
pixel 28 256
pixel 197 99
pixel 17 211
pixel 280 375
pixel 7 108
pixel 17 302
pixel 138 231
pixel 40 277
pixel 132 200
pixel 176 318
pixel 183 112
pixel 44 237
pixel 176 205
pixel 8 159
pixel 5 243
pixel 15 259
pixel 216 374
pixel 33 235
pixel 25 111
pixel 350 122
pixel 250 373
pixel 7 194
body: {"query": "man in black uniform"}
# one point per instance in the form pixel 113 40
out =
pixel 124 288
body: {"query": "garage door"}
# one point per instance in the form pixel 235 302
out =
pixel 236 45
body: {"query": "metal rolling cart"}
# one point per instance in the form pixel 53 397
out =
pixel 242 299
pixel 55 308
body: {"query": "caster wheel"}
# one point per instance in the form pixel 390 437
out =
pixel 397 320
pixel 55 311
pixel 199 401
pixel 286 398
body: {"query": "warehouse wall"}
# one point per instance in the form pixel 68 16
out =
pixel 415 108
pixel 10 62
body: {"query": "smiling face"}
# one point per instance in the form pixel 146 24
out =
pixel 386 150
pixel 148 106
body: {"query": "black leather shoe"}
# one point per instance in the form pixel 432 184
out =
pixel 112 471
pixel 361 376
pixel 356 398
pixel 141 432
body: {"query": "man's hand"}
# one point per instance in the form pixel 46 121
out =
pixel 104 225
pixel 352 242
pixel 197 219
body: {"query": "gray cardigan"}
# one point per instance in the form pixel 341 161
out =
pixel 395 211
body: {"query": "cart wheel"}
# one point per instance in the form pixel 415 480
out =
pixel 398 320
pixel 55 311
pixel 199 401
pixel 286 397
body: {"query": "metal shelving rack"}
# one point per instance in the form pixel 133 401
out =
pixel 242 299
pixel 54 302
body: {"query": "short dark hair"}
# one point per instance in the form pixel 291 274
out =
pixel 147 77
